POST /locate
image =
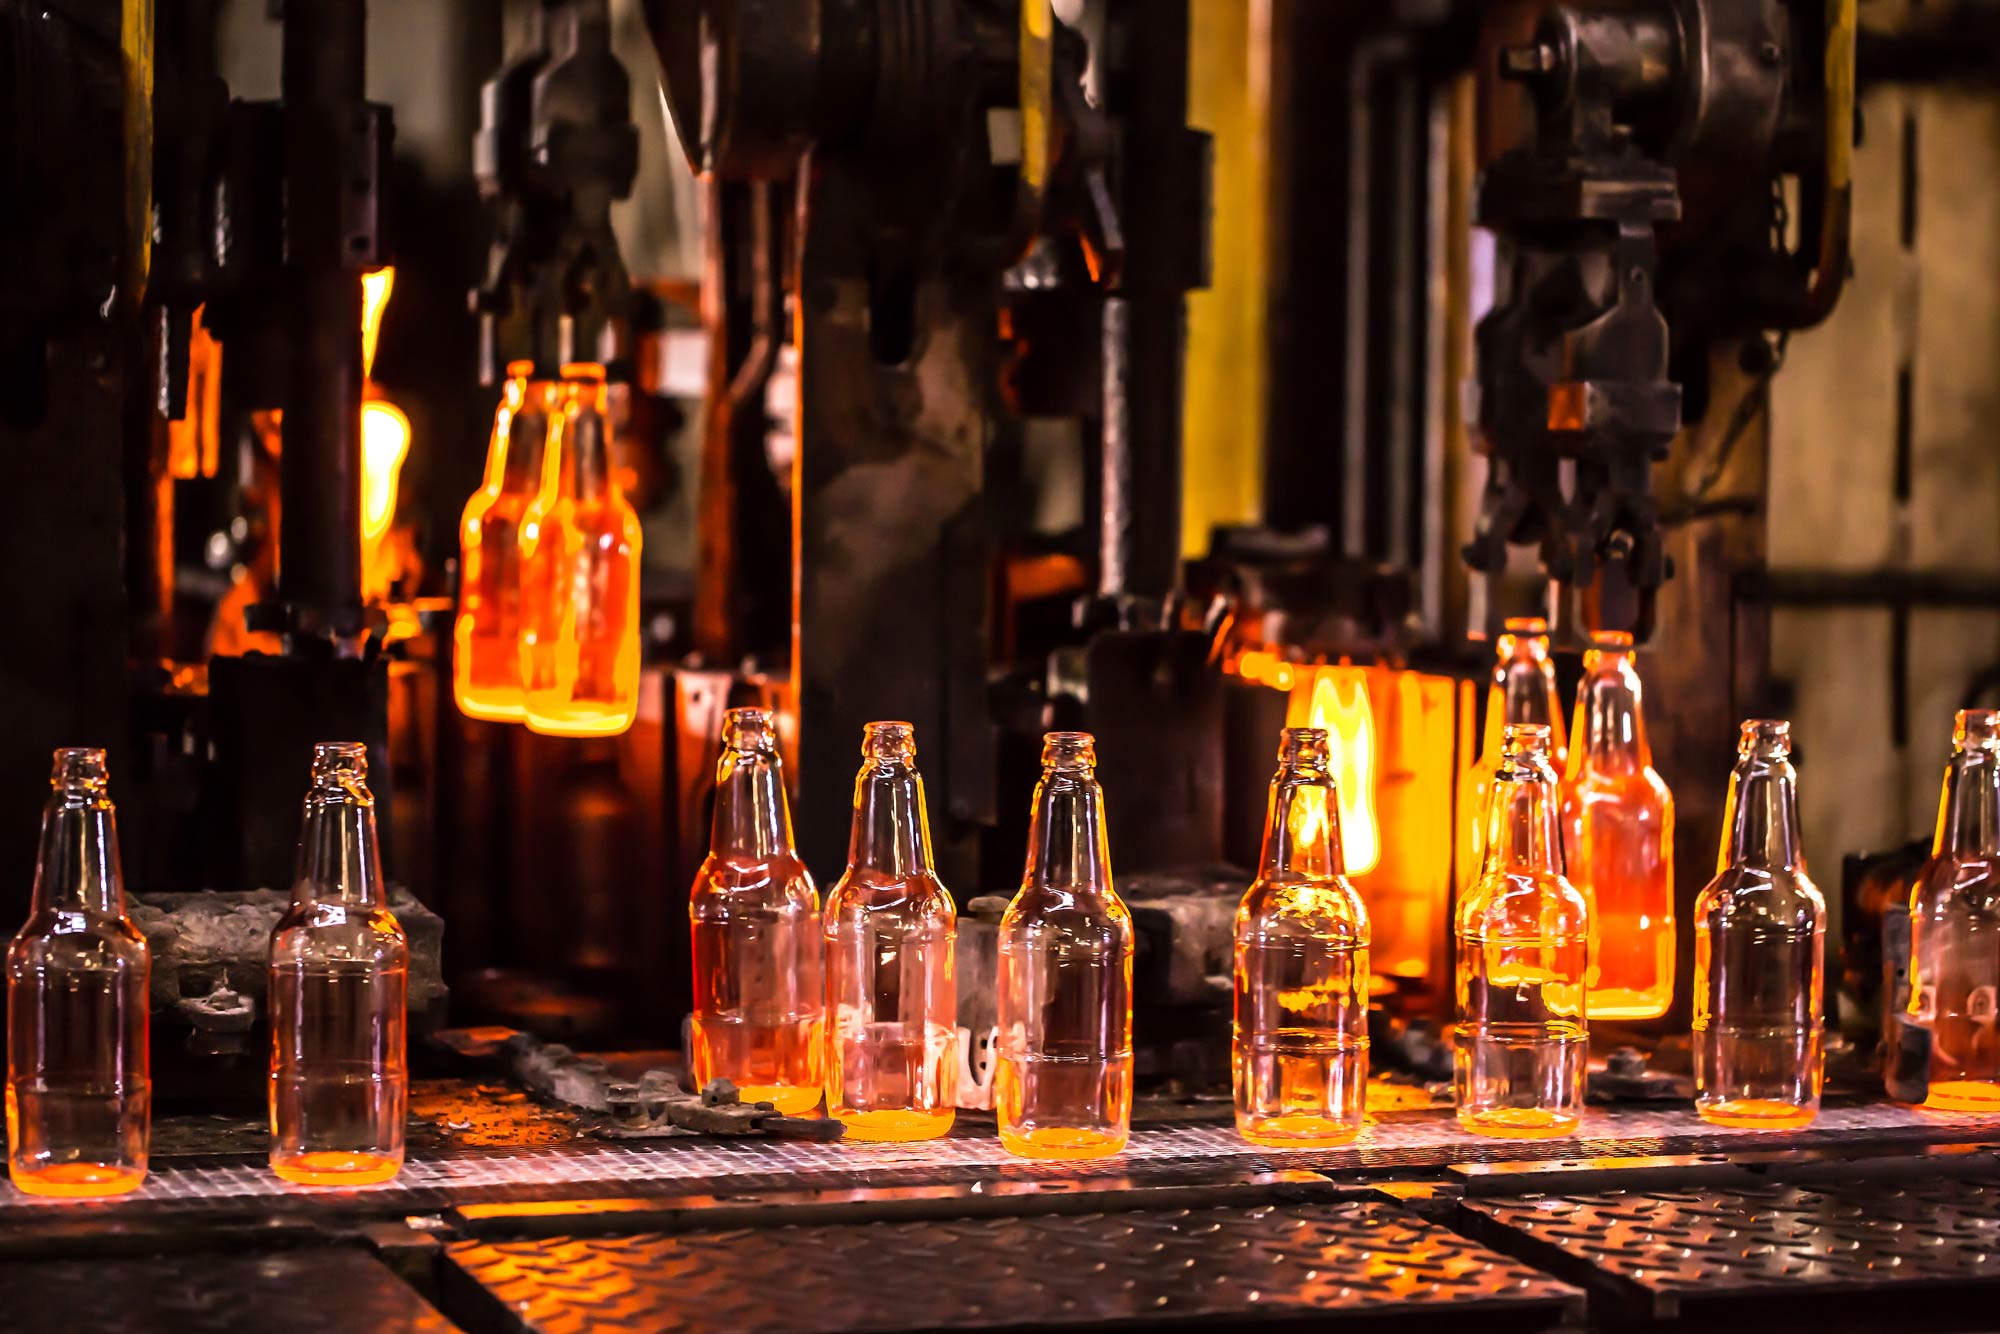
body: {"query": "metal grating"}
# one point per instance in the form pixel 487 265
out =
pixel 299 1292
pixel 1239 1265
pixel 1665 1251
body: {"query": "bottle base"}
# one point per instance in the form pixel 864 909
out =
pixel 1964 1095
pixel 493 708
pixel 1520 1123
pixel 580 722
pixel 1062 1142
pixel 1628 1004
pixel 337 1168
pixel 790 1100
pixel 1298 1130
pixel 76 1181
pixel 892 1127
pixel 1757 1113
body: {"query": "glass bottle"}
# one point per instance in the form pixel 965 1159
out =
pixel 891 994
pixel 340 972
pixel 1759 951
pixel 1618 829
pixel 1955 925
pixel 1523 690
pixel 486 668
pixel 755 918
pixel 579 638
pixel 1301 1033
pixel 1523 1038
pixel 79 1081
pixel 1064 995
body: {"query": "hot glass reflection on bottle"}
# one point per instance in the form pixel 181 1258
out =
pixel 1064 996
pixel 891 994
pixel 754 916
pixel 339 982
pixel 1759 948
pixel 1301 967
pixel 486 661
pixel 1523 932
pixel 79 1085
pixel 1523 690
pixel 1955 925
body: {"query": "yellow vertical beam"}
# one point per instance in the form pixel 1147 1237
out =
pixel 1224 406
pixel 136 47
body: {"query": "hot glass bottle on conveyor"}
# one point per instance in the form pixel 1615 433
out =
pixel 1955 925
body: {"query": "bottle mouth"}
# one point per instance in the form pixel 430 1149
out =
pixel 584 371
pixel 520 370
pixel 888 741
pixel 1765 738
pixel 79 769
pixel 1612 641
pixel 1305 747
pixel 1524 741
pixel 1068 752
pixel 1525 625
pixel 1976 729
pixel 749 729
pixel 340 759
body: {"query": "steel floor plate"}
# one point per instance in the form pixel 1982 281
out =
pixel 1238 1265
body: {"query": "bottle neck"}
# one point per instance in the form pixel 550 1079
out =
pixel 527 438
pixel 77 869
pixel 1969 811
pixel 751 817
pixel 1522 833
pixel 1066 845
pixel 1302 829
pixel 582 461
pixel 1760 825
pixel 891 834
pixel 1610 731
pixel 339 861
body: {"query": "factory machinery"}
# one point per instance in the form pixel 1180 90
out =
pixel 1533 273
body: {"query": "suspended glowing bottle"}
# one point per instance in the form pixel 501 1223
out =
pixel 486 668
pixel 755 918
pixel 1301 1038
pixel 1618 828
pixel 1522 1039
pixel 579 639
pixel 1523 691
pixel 340 973
pixel 891 995
pixel 1064 997
pixel 79 1084
pixel 1759 950
pixel 1955 925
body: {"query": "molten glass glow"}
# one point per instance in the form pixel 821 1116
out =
pixel 375 288
pixel 385 443
pixel 1340 705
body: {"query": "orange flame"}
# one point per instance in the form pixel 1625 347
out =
pixel 385 441
pixel 1340 705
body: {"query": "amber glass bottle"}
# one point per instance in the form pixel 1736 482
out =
pixel 891 995
pixel 340 975
pixel 1759 951
pixel 1301 1039
pixel 1523 931
pixel 580 578
pixel 1955 925
pixel 1523 690
pixel 486 666
pixel 755 919
pixel 1064 998
pixel 79 1085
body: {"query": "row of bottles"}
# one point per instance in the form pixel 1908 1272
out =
pixel 548 622
pixel 79 1084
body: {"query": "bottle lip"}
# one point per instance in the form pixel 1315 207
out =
pixel 1770 738
pixel 1525 739
pixel 749 728
pixel 1069 750
pixel 79 767
pixel 1524 625
pixel 1977 729
pixel 1611 641
pixel 1309 746
pixel 346 758
pixel 888 740
pixel 520 370
pixel 591 371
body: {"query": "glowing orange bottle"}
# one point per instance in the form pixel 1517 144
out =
pixel 580 578
pixel 1759 951
pixel 891 996
pixel 340 974
pixel 486 667
pixel 1618 828
pixel 1064 996
pixel 1523 1036
pixel 1301 1032
pixel 755 918
pixel 1523 690
pixel 79 1086
pixel 1955 925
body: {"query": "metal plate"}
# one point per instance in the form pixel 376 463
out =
pixel 1667 1251
pixel 298 1292
pixel 1262 1264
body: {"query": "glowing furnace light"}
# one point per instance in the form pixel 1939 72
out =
pixel 385 431
pixel 1340 705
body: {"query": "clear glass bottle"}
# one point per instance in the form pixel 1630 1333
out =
pixel 579 639
pixel 79 1081
pixel 1064 994
pixel 1955 925
pixel 754 914
pixel 486 664
pixel 340 975
pixel 1618 831
pixel 889 926
pixel 1523 690
pixel 1759 951
pixel 1523 1035
pixel 1301 1032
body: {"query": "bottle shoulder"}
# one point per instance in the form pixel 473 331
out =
pixel 1317 907
pixel 1742 895
pixel 1949 881
pixel 321 931
pixel 913 896
pixel 78 940
pixel 1094 912
pixel 1524 905
pixel 729 884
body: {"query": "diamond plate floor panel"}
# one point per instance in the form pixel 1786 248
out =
pixel 297 1292
pixel 1259 1264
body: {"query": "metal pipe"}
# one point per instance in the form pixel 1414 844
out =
pixel 1870 588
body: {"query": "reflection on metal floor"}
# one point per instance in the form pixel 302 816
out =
pixel 1266 1264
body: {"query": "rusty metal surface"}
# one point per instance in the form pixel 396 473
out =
pixel 1238 1265
pixel 1665 1252
pixel 298 1292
